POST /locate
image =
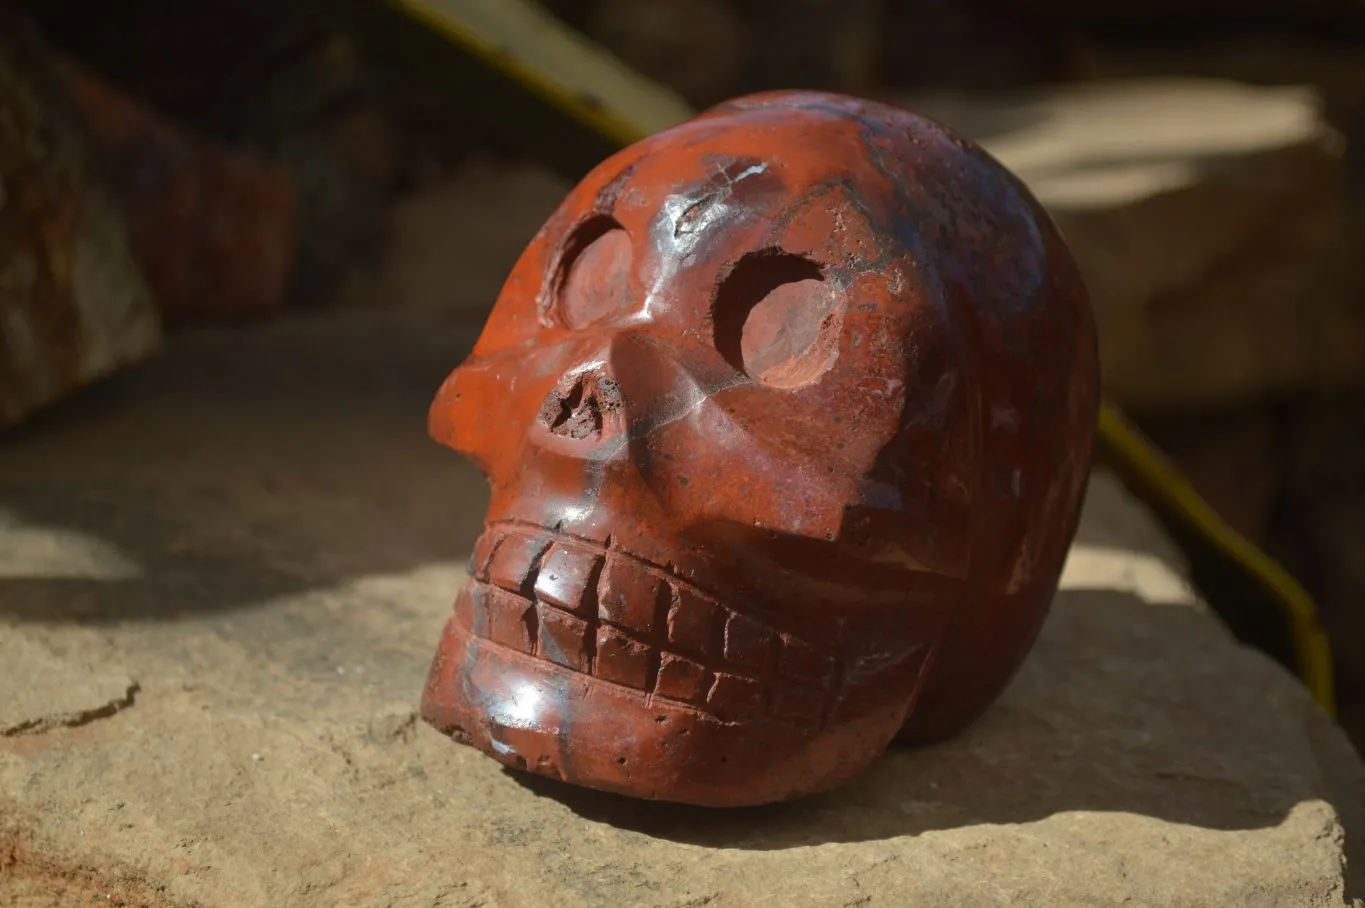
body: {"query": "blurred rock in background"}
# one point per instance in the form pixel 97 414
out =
pixel 262 76
pixel 214 231
pixel 492 205
pixel 1315 519
pixel 74 306
pixel 1208 220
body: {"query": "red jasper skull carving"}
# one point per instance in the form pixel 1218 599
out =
pixel 787 413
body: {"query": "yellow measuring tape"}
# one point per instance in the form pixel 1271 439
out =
pixel 570 73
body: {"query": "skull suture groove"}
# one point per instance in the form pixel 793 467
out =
pixel 787 414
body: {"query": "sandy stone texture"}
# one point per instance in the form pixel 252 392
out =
pixel 222 576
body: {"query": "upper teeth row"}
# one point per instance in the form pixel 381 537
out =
pixel 610 614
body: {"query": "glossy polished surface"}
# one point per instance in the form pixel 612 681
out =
pixel 787 414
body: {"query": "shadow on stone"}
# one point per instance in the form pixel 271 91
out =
pixel 1123 726
pixel 236 469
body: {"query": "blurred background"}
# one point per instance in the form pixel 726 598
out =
pixel 228 161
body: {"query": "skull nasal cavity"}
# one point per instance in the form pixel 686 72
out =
pixel 777 319
pixel 578 408
pixel 593 282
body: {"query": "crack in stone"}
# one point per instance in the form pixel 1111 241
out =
pixel 45 724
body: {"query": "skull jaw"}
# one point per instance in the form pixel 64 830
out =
pixel 534 716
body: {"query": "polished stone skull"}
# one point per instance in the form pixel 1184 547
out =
pixel 787 413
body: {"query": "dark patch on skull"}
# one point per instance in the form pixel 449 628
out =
pixel 610 193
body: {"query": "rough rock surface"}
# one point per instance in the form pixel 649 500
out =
pixel 1209 220
pixel 222 577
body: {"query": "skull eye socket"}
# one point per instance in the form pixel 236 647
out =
pixel 777 319
pixel 592 281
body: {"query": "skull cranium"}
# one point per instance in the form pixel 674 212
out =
pixel 787 413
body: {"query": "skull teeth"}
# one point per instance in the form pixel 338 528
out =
pixel 599 611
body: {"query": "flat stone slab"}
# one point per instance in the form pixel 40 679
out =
pixel 222 577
